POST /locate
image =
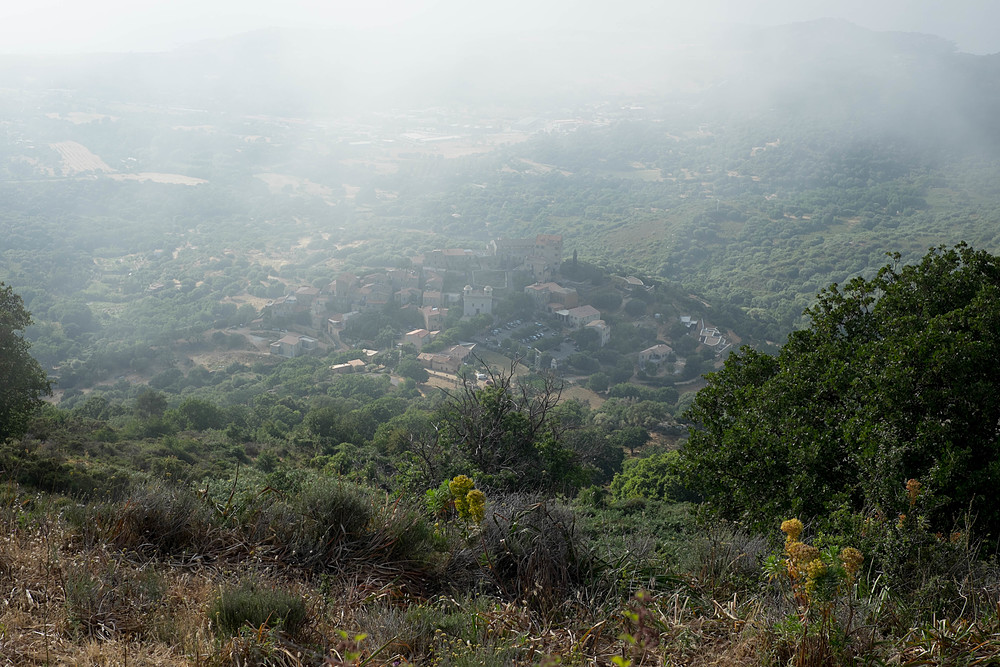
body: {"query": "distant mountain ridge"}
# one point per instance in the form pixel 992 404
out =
pixel 825 68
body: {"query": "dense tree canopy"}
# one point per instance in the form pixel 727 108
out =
pixel 895 378
pixel 22 380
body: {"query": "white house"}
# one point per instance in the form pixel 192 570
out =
pixel 579 316
pixel 602 329
pixel 477 302
pixel 656 354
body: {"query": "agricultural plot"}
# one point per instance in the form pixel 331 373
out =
pixel 77 159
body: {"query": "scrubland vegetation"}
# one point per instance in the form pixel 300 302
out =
pixel 486 529
pixel 825 495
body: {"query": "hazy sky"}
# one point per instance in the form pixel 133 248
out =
pixel 73 26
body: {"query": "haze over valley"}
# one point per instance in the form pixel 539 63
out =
pixel 750 168
pixel 434 316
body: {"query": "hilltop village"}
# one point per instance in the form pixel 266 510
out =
pixel 514 298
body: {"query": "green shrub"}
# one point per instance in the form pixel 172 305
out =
pixel 893 378
pixel 400 531
pixel 31 463
pixel 255 606
pixel 647 540
pixel 323 522
pixel 330 523
pixel 930 574
pixel 657 477
pixel 166 520
pixel 534 550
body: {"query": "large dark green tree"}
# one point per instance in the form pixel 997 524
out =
pixel 22 380
pixel 894 378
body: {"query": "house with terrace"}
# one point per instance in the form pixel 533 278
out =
pixel 579 316
pixel 446 361
pixel 656 354
pixel 292 345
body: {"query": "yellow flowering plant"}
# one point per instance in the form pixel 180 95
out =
pixel 818 580
pixel 470 502
pixel 475 501
pixel 460 486
pixel 817 577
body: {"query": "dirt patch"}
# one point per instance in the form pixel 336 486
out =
pixel 498 361
pixel 439 380
pixel 257 302
pixel 582 394
pixel 218 360
pixel 157 177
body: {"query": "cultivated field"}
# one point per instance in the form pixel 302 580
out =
pixel 76 158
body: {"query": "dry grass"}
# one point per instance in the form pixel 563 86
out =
pixel 138 623
pixel 68 604
pixel 100 592
pixel 577 393
pixel 73 598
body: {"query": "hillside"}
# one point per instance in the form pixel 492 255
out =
pixel 367 352
pixel 347 520
pixel 806 154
